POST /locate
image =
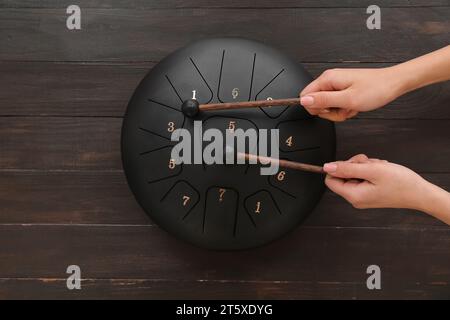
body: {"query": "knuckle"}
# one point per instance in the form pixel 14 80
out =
pixel 328 74
pixel 357 202
pixel 362 156
pixel 358 205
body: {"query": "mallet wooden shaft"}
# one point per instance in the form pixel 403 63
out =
pixel 283 163
pixel 250 104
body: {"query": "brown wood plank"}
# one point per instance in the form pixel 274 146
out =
pixel 175 289
pixel 101 89
pixel 73 197
pixel 172 4
pixel 68 197
pixel 410 259
pixel 421 145
pixel 60 143
pixel 70 89
pixel 94 143
pixel 148 35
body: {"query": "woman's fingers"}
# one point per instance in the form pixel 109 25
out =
pixel 359 158
pixel 334 114
pixel 325 99
pixel 345 188
pixel 350 170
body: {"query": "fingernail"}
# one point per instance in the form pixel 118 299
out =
pixel 330 167
pixel 307 101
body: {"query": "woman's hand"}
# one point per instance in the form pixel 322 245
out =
pixel 374 183
pixel 339 94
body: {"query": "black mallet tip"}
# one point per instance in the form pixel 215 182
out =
pixel 190 108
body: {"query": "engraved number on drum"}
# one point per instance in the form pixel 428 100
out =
pixel 235 93
pixel 171 126
pixel 258 207
pixel 186 200
pixel 221 194
pixel 289 141
pixel 281 175
pixel 172 164
pixel 232 125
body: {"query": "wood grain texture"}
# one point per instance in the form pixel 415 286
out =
pixel 68 197
pixel 69 89
pixel 172 4
pixel 103 89
pixel 92 197
pixel 64 198
pixel 149 35
pixel 60 143
pixel 49 288
pixel 303 255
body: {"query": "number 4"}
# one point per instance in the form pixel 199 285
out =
pixel 289 141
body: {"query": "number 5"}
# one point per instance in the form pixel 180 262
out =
pixel 232 125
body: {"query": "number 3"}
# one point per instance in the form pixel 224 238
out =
pixel 171 164
pixel 170 126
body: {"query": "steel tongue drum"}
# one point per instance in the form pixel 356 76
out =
pixel 220 205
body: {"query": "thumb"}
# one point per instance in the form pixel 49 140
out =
pixel 325 99
pixel 350 170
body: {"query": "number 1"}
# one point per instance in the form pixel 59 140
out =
pixel 258 207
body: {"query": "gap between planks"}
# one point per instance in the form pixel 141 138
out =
pixel 152 225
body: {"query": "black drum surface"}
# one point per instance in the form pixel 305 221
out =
pixel 223 206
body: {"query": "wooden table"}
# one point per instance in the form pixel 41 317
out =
pixel 64 199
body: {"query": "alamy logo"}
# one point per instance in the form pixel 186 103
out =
pixel 227 150
pixel 374 20
pixel 74 280
pixel 73 21
pixel 374 280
